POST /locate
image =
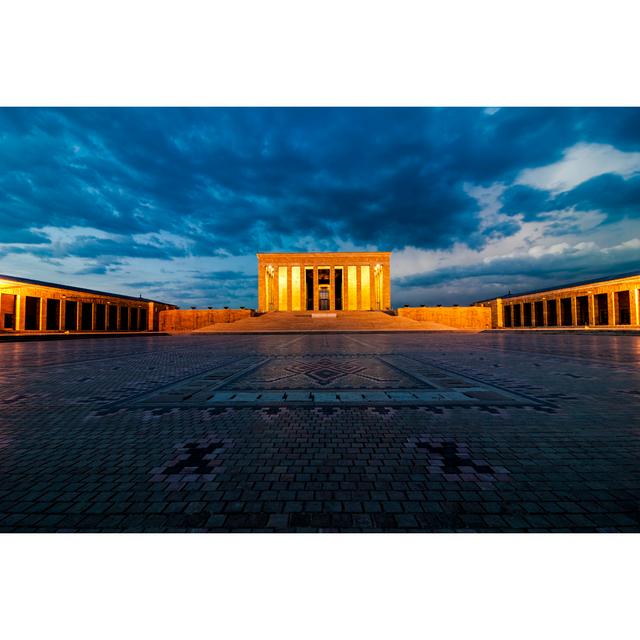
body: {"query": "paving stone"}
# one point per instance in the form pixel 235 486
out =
pixel 278 521
pixel 215 521
pixel 553 447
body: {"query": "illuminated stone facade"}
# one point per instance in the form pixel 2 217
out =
pixel 43 307
pixel 358 281
pixel 607 302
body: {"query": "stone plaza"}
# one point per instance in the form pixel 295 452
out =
pixel 371 432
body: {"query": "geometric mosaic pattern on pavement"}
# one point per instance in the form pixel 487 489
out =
pixel 363 380
pixel 377 432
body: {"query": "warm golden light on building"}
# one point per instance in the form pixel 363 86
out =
pixel 600 303
pixel 365 286
pixel 32 305
pixel 295 289
pixel 283 300
pixel 340 281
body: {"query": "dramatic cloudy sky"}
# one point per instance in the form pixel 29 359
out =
pixel 173 204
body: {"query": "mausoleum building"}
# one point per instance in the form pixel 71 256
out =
pixel 340 281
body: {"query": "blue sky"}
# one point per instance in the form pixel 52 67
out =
pixel 173 204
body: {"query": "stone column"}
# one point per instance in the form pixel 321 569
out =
pixel 19 321
pixel 303 287
pixel 93 316
pixel 499 314
pixel 275 281
pixel 43 315
pixel 289 291
pixel 302 292
pixel 387 285
pixel 359 287
pixel 63 313
pixel 19 312
pixel 372 286
pixel 262 277
pixel 271 291
pixel 611 311
pixel 591 300
pixel 532 306
pixel 345 287
pixel 316 303
pixel 79 315
pixel 574 311
pixel 332 288
pixel 634 299
pixel 377 294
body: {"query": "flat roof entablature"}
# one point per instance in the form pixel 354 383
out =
pixel 601 285
pixel 43 289
pixel 325 257
pixel 70 295
pixel 325 253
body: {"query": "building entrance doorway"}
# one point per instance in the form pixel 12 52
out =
pixel 323 298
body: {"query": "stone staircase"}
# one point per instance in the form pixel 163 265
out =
pixel 305 322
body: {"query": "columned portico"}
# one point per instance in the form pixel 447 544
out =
pixel 358 281
pixel 316 297
pixel 612 302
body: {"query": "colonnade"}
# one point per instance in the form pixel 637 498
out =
pixel 608 308
pixel 22 312
pixel 318 287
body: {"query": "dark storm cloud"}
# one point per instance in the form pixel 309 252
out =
pixel 232 276
pixel 529 202
pixel 98 269
pixel 241 180
pixel 164 184
pixel 86 247
pixel 21 236
pixel 471 283
pixel 610 193
pixel 586 264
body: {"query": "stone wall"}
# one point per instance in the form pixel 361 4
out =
pixel 191 319
pixel 474 318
